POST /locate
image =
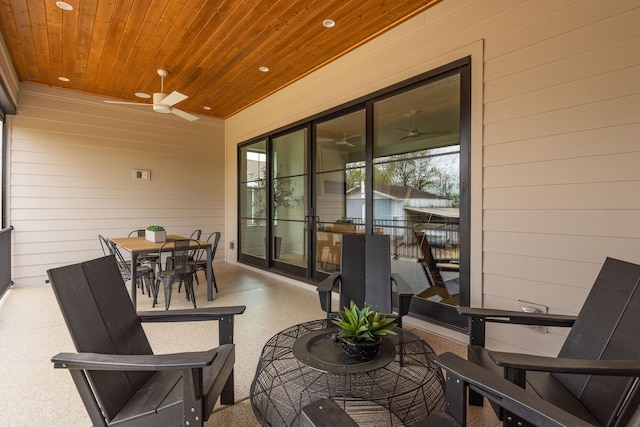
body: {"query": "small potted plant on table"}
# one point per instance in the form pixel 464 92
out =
pixel 155 234
pixel 362 330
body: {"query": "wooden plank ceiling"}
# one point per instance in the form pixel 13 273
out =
pixel 213 49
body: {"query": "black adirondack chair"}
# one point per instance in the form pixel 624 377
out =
pixel 462 376
pixel 365 276
pixel 596 374
pixel 120 380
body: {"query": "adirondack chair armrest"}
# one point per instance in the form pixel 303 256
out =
pixel 327 284
pixel 324 291
pixel 191 315
pixel 527 362
pixel 478 317
pixel 462 374
pixel 137 362
pixel 518 317
pixel 223 314
pixel 326 413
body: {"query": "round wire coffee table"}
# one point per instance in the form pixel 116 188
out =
pixel 400 387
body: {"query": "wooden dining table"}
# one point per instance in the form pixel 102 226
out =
pixel 137 246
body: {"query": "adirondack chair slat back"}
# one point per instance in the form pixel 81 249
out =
pixel 101 319
pixel 366 271
pixel 606 328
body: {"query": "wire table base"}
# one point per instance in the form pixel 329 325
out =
pixel 401 393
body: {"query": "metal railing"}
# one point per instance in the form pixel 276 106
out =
pixel 444 238
pixel 5 260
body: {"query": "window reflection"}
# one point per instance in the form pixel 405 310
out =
pixel 416 185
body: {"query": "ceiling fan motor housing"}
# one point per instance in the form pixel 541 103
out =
pixel 158 106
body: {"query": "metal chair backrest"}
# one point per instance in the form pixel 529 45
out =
pixel 216 239
pixel 365 271
pixel 101 319
pixel 104 244
pixel 137 233
pixel 182 250
pixel 123 265
pixel 196 234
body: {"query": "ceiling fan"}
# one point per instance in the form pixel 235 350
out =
pixel 415 132
pixel 163 103
pixel 344 141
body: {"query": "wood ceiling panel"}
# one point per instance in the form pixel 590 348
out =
pixel 102 19
pixel 84 32
pixel 212 48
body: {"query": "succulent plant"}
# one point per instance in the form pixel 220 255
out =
pixel 155 228
pixel 364 324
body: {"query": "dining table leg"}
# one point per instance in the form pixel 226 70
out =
pixel 134 280
pixel 209 274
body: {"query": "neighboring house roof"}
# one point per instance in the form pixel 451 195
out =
pixel 452 213
pixel 398 192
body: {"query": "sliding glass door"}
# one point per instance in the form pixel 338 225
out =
pixel 395 163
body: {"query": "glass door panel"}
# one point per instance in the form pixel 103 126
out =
pixel 253 202
pixel 416 184
pixel 289 202
pixel 339 177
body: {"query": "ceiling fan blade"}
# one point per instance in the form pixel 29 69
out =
pixel 437 132
pixel 173 98
pixel 125 102
pixel 184 114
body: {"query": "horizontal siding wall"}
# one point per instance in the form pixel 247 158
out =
pixel 557 153
pixel 71 177
pixel 561 182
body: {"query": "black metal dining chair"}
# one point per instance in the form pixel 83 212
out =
pixel 150 259
pixel 200 260
pixel 144 274
pixel 181 271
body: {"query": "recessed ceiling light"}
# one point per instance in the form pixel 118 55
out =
pixel 264 69
pixel 143 95
pixel 64 5
pixel 63 79
pixel 329 23
pixel 206 107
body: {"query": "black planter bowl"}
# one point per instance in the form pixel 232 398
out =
pixel 361 350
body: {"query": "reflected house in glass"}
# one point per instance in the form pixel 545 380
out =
pixel 403 206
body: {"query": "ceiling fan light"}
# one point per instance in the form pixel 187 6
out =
pixel 158 106
pixel 161 108
pixel 142 95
